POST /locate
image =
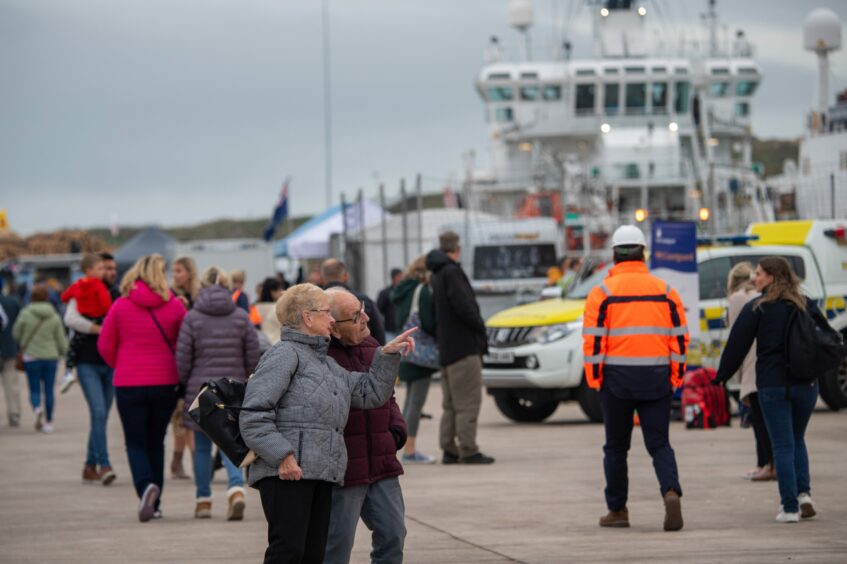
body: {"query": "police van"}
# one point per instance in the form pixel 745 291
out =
pixel 535 351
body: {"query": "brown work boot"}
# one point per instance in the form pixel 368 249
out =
pixel 90 474
pixel 235 511
pixel 177 470
pixel 203 509
pixel 673 511
pixel 615 519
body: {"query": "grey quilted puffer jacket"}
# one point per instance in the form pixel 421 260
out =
pixel 216 340
pixel 308 398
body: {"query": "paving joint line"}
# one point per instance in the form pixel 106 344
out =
pixel 465 541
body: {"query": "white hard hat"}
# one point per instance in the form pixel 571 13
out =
pixel 628 235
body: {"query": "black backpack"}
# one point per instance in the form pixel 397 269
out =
pixel 812 346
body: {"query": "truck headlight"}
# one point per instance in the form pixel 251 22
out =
pixel 549 333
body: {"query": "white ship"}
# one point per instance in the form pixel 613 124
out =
pixel 650 127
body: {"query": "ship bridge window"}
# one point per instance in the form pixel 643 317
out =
pixel 585 72
pixel 634 70
pixel 659 70
pixel 611 99
pixel 552 92
pixel 503 115
pixel 585 99
pixel 611 70
pixel 530 93
pixel 680 70
pixel 747 70
pixel 682 92
pixel 718 89
pixel 659 97
pixel 529 75
pixel 745 87
pixel 636 97
pixel 499 76
pixel 720 72
pixel 500 93
pixel 742 109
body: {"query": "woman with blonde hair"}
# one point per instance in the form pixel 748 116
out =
pixel 740 290
pixel 417 378
pixel 786 402
pixel 186 286
pixel 138 339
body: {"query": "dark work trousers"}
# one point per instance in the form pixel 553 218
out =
pixel 145 412
pixel 654 417
pixel 764 456
pixel 297 512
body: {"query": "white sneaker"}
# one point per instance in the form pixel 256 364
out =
pixel 67 382
pixel 39 418
pixel 47 428
pixel 807 508
pixel 783 517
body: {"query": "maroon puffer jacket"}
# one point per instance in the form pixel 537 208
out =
pixel 372 436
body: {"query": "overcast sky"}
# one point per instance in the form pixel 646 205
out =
pixel 176 112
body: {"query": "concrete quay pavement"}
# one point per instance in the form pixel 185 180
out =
pixel 539 503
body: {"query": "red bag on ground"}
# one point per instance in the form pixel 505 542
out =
pixel 704 406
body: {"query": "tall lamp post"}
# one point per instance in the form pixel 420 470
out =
pixel 327 105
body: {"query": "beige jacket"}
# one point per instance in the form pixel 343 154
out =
pixel 746 375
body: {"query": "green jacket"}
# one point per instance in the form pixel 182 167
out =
pixel 401 296
pixel 49 343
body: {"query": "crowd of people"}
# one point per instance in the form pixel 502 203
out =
pixel 320 412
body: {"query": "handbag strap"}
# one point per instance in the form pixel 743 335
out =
pixel 416 300
pixel 161 331
pixel 32 335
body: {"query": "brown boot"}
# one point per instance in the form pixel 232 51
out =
pixel 235 511
pixel 177 471
pixel 203 509
pixel 615 519
pixel 107 475
pixel 90 474
pixel 673 511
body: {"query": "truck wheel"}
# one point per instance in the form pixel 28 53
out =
pixel 524 410
pixel 834 387
pixel 589 401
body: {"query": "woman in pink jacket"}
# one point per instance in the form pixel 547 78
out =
pixel 137 340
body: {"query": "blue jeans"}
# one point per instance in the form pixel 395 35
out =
pixel 381 507
pixel 203 467
pixel 145 413
pixel 96 383
pixel 654 417
pixel 787 414
pixel 40 372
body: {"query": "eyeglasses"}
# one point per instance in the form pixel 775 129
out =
pixel 326 311
pixel 355 319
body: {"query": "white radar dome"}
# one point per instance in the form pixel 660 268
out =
pixel 822 30
pixel 520 14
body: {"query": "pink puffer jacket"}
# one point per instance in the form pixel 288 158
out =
pixel 131 343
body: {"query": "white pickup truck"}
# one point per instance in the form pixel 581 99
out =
pixel 535 350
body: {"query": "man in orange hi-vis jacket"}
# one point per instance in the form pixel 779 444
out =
pixel 635 340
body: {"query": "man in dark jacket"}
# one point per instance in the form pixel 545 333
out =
pixel 371 486
pixel 8 350
pixel 334 273
pixel 461 340
pixel 386 306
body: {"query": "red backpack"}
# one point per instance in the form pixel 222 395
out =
pixel 704 406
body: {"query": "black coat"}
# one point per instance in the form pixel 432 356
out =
pixel 375 323
pixel 766 325
pixel 460 329
pixel 386 308
pixel 12 307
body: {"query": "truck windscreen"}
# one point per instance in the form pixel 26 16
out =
pixel 516 261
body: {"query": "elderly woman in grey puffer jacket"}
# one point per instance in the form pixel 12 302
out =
pixel 301 399
pixel 217 340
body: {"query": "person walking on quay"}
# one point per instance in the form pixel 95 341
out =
pixel 216 340
pixel 299 400
pixel 8 352
pixel 786 402
pixel 41 340
pixel 635 340
pixel 372 436
pixel 271 292
pixel 461 341
pixel 138 340
pixel 417 378
pixel 386 306
pixel 186 285
pixel 334 273
pixel 741 289
pixel 110 275
pixel 239 296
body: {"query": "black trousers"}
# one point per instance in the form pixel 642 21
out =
pixel 298 519
pixel 654 417
pixel 764 456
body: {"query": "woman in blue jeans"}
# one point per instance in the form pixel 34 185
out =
pixel 216 340
pixel 786 403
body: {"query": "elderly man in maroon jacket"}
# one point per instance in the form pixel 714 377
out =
pixel 371 486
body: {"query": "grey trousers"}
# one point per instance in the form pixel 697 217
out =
pixel 381 507
pixel 461 385
pixel 416 392
pixel 11 388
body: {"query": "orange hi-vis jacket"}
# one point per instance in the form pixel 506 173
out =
pixel 255 317
pixel 634 333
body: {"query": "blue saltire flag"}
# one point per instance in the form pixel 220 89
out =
pixel 280 212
